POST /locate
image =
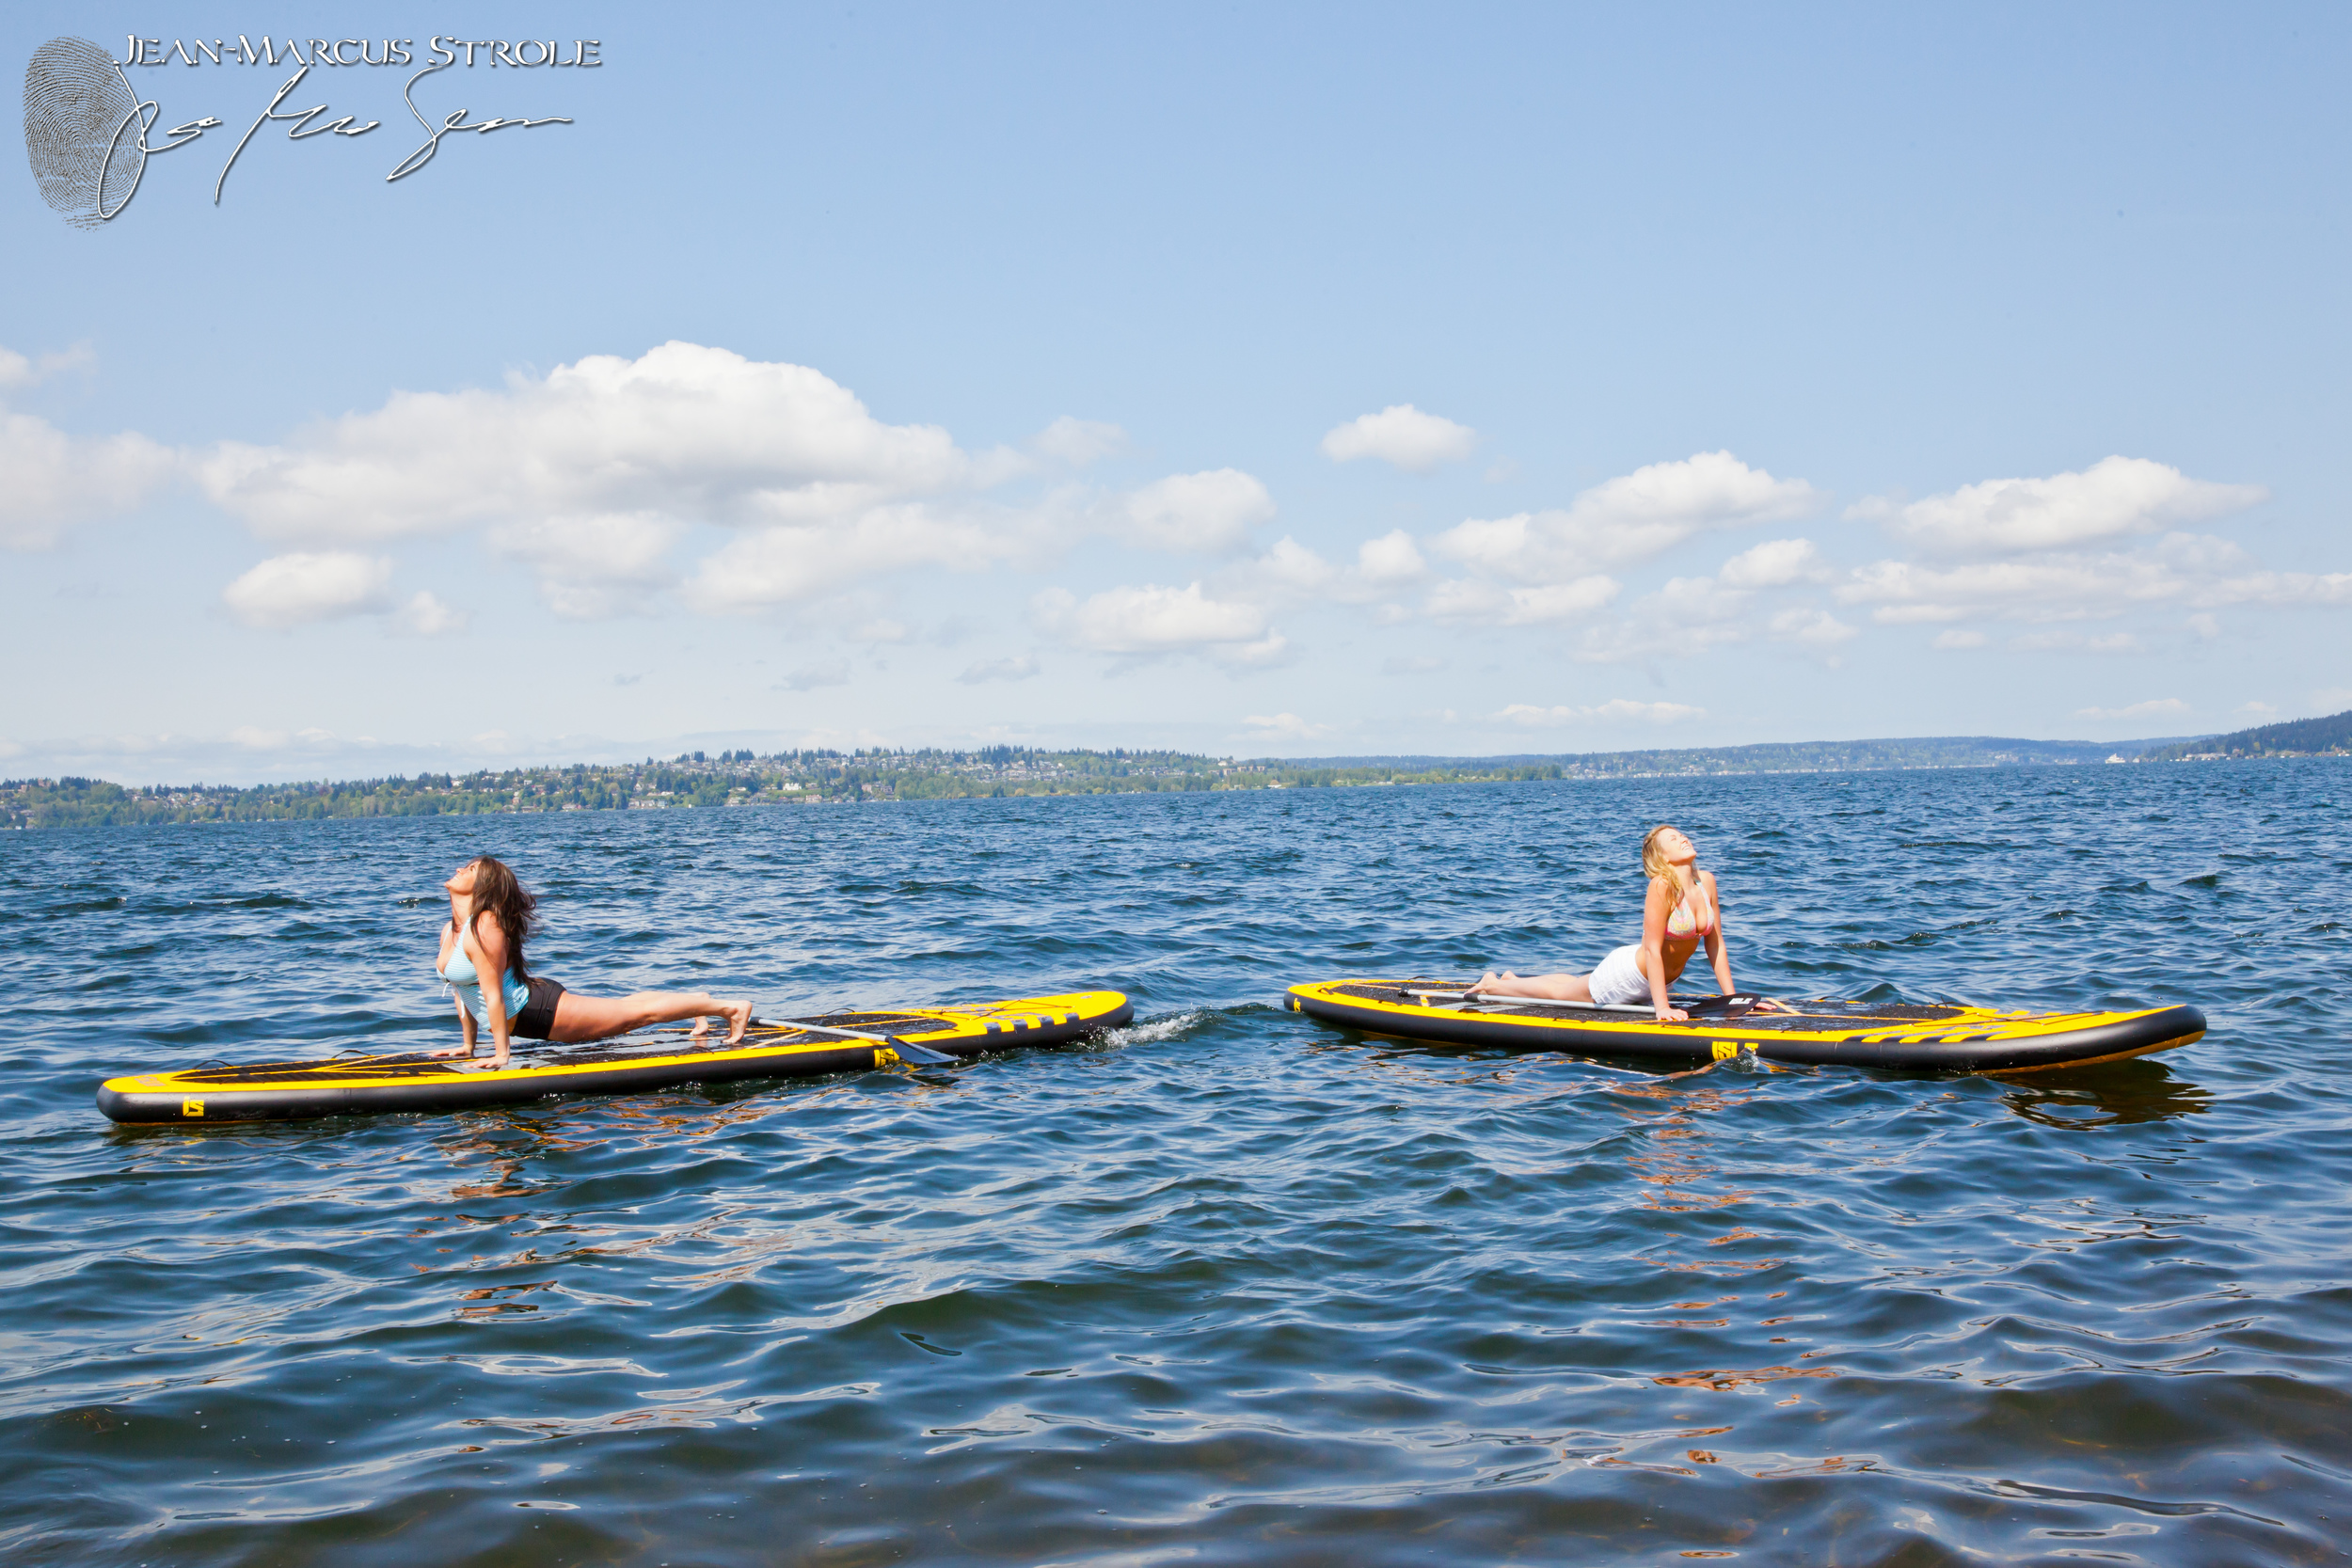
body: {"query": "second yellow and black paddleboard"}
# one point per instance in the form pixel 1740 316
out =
pixel 1845 1034
pixel 794 1048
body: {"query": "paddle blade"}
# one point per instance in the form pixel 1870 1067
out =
pixel 921 1055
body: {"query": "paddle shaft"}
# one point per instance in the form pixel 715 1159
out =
pixel 907 1051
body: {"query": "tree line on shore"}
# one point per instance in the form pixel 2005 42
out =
pixel 698 780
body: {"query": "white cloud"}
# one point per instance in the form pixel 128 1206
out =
pixel 810 677
pixel 1018 667
pixel 1813 628
pixel 425 615
pixel 1960 639
pixel 2073 642
pixel 1774 564
pixel 594 565
pixel 2114 497
pixel 1390 562
pixel 1208 513
pixel 2185 568
pixel 2282 589
pixel 2155 707
pixel 1629 518
pixel 17 370
pixel 54 481
pixel 1289 570
pixel 1149 622
pixel 1284 726
pixel 1400 434
pixel 294 590
pixel 2258 711
pixel 1462 599
pixel 785 565
pixel 1078 442
pixel 1617 710
pixel 683 432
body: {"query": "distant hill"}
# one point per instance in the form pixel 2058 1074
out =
pixel 2300 738
pixel 1800 756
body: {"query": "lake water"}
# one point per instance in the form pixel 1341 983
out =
pixel 1228 1286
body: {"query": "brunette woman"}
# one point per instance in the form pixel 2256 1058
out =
pixel 489 917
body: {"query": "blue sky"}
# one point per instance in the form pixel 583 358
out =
pixel 1286 380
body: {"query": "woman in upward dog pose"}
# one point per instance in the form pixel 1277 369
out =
pixel 489 917
pixel 1681 912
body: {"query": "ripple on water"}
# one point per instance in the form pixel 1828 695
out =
pixel 1223 1284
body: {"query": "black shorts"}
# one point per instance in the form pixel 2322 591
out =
pixel 537 1022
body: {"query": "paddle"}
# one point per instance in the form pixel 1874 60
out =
pixel 921 1055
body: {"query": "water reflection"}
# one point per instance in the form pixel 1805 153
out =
pixel 2110 1095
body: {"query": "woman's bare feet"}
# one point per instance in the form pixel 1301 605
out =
pixel 1491 979
pixel 455 1051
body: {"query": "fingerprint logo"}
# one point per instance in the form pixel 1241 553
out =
pixel 83 130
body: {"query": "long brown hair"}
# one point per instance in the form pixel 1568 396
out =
pixel 496 891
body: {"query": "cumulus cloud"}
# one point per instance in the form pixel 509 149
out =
pixel 810 677
pixel 1812 628
pixel 18 369
pixel 1151 622
pixel 683 432
pixel 426 615
pixel 56 480
pixel 1960 639
pixel 1289 570
pixel 1774 564
pixel 2111 499
pixel 2155 707
pixel 787 566
pixel 1465 599
pixel 1403 435
pixel 2073 642
pixel 1617 710
pixel 1078 442
pixel 1284 726
pixel 2181 568
pixel 1209 513
pixel 1631 517
pixel 1018 667
pixel 596 564
pixel 295 590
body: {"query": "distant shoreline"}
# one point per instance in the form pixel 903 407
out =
pixel 696 780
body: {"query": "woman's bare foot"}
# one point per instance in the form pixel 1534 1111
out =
pixel 1490 980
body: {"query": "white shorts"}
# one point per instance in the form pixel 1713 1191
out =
pixel 1617 980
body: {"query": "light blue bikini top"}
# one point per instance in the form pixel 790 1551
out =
pixel 466 982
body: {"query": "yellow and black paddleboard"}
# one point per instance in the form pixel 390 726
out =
pixel 1844 1033
pixel 789 1048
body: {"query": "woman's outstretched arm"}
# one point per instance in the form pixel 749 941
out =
pixel 1718 945
pixel 489 962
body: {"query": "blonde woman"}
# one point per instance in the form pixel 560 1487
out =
pixel 1682 913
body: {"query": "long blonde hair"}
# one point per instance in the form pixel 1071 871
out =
pixel 1654 862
